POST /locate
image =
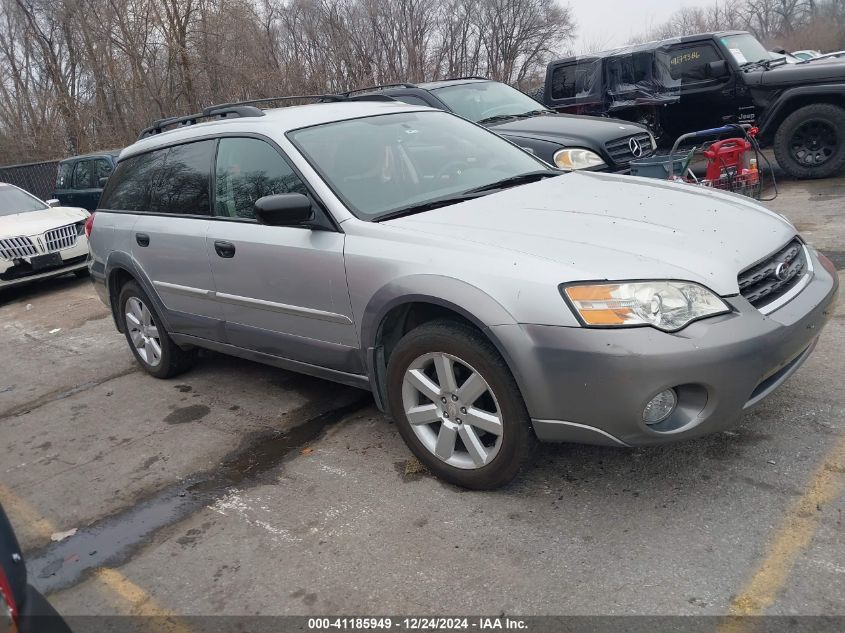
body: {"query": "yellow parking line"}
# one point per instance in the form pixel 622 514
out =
pixel 19 508
pixel 139 601
pixel 790 540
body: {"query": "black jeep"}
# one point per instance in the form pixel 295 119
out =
pixel 700 81
pixel 566 141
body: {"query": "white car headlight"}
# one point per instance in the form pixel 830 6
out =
pixel 577 158
pixel 665 305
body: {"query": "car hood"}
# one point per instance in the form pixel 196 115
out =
pixel 797 74
pixel 36 222
pixel 569 129
pixel 603 226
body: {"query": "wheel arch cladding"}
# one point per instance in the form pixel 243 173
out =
pixel 406 303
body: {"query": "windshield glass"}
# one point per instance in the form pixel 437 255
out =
pixel 745 48
pixel 382 163
pixel 484 99
pixel 13 200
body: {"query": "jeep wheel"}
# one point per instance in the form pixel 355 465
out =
pixel 810 143
pixel 149 341
pixel 457 406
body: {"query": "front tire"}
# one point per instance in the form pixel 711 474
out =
pixel 810 142
pixel 150 343
pixel 458 407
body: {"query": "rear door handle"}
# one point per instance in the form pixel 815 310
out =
pixel 143 239
pixel 224 249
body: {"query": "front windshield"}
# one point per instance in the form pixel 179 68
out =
pixel 382 163
pixel 745 48
pixel 14 200
pixel 486 99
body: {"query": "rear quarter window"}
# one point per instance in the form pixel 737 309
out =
pixel 173 180
pixel 63 175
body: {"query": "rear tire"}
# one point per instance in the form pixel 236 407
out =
pixel 810 142
pixel 470 425
pixel 150 343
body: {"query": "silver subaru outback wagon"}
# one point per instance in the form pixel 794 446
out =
pixel 486 300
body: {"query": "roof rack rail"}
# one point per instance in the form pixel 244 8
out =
pixel 248 109
pixel 380 87
pixel 467 77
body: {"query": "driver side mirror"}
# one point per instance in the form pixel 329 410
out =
pixel 283 209
pixel 102 181
pixel 52 202
pixel 717 70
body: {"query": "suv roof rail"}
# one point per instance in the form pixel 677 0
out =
pixel 248 108
pixel 467 77
pixel 400 84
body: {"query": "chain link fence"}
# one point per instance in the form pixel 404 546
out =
pixel 37 178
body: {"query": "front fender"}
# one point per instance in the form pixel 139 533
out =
pixel 779 108
pixel 475 306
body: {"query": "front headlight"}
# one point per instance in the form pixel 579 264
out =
pixel 577 158
pixel 666 305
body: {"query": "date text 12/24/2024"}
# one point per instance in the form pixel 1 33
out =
pixel 417 624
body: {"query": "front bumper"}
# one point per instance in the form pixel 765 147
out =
pixel 18 272
pixel 591 385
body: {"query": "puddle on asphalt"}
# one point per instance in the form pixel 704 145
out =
pixel 113 539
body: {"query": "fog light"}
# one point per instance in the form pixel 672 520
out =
pixel 660 407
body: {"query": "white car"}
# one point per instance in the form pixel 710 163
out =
pixel 38 241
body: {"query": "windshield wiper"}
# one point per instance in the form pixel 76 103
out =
pixel 436 203
pixel 765 63
pixel 498 117
pixel 470 194
pixel 514 181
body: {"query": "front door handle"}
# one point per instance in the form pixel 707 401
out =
pixel 224 249
pixel 143 239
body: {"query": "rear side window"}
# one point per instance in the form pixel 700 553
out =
pixel 169 180
pixel 63 175
pixel 131 187
pixel 249 169
pixel 82 175
pixel 102 169
pixel 574 80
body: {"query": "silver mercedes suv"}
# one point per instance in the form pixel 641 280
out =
pixel 486 300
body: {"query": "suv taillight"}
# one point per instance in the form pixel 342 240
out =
pixel 89 224
pixel 7 600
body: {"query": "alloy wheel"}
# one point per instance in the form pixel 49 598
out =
pixel 814 143
pixel 452 410
pixel 143 331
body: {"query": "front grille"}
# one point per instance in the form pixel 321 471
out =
pixel 761 284
pixel 60 238
pixel 620 149
pixel 16 247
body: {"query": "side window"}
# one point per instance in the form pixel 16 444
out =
pixel 182 185
pixel 133 183
pixel 82 175
pixel 63 175
pixel 412 100
pixel 563 82
pixel 102 169
pixel 575 80
pixel 249 169
pixel 689 62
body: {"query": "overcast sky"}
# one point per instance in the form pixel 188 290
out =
pixel 611 23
